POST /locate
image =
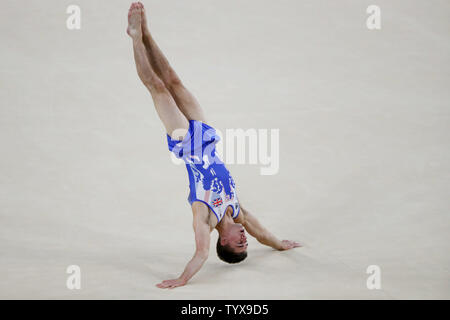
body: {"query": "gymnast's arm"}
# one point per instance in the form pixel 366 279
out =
pixel 264 236
pixel 202 231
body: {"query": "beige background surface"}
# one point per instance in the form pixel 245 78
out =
pixel 86 178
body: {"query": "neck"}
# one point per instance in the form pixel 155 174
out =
pixel 225 223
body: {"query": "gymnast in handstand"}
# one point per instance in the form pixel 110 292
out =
pixel 212 196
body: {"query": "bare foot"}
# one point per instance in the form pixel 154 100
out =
pixel 134 20
pixel 144 20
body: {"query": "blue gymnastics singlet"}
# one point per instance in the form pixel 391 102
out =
pixel 210 181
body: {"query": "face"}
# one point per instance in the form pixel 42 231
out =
pixel 236 238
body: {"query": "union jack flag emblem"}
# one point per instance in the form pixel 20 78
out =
pixel 217 202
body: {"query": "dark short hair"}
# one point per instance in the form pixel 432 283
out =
pixel 226 253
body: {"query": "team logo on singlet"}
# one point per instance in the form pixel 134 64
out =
pixel 230 196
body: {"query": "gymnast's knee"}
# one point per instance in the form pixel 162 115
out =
pixel 172 80
pixel 154 84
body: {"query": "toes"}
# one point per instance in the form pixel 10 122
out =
pixel 135 8
pixel 136 5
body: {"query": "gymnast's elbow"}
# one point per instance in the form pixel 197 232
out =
pixel 267 240
pixel 262 238
pixel 202 253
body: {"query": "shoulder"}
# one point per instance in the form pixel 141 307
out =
pixel 202 215
pixel 242 216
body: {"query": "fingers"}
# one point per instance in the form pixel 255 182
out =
pixel 163 285
pixel 291 244
pixel 170 284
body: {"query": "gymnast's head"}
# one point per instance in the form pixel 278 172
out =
pixel 232 244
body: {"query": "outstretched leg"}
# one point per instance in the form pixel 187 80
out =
pixel 165 105
pixel 186 102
